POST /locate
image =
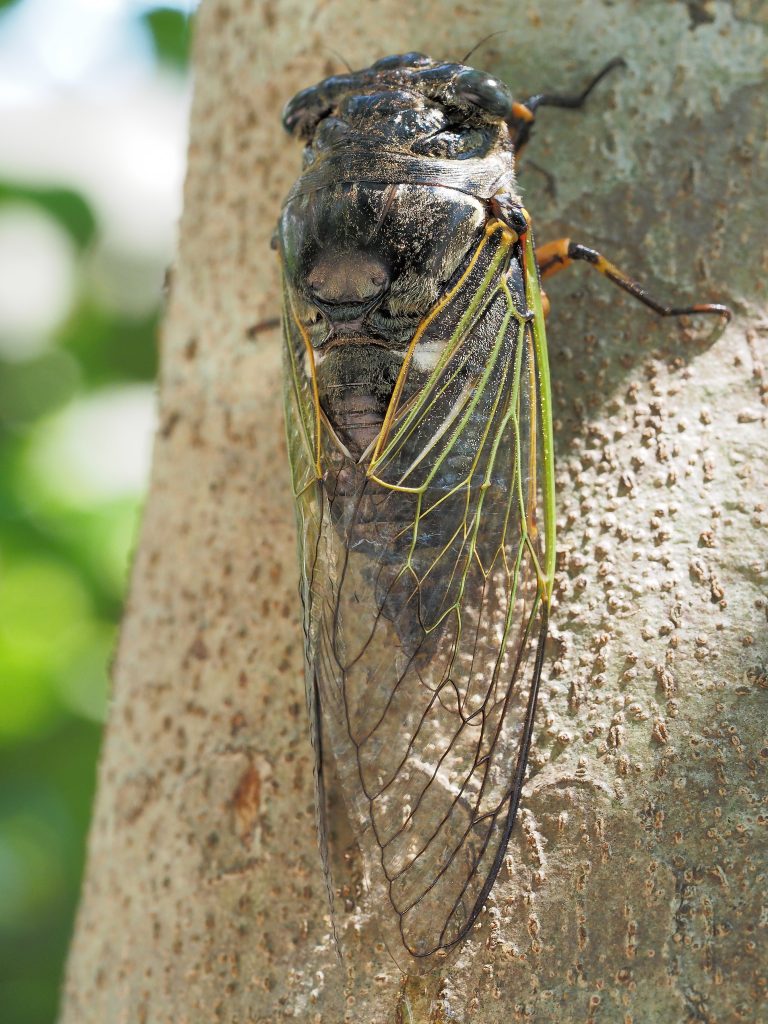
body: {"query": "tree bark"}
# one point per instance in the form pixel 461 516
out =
pixel 632 889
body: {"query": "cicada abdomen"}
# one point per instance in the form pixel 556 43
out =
pixel 419 433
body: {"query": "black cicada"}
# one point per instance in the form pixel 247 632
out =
pixel 419 421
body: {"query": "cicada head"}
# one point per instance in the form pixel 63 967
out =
pixel 401 161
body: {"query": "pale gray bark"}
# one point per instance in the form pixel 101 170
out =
pixel 635 881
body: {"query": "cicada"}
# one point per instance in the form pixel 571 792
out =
pixel 419 423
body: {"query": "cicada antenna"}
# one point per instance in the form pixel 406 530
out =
pixel 338 56
pixel 501 32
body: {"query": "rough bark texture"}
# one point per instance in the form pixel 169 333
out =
pixel 635 877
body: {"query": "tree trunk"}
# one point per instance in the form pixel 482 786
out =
pixel 632 888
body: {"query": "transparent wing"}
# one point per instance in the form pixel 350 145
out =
pixel 426 595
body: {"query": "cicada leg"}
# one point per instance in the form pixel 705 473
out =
pixel 524 114
pixel 263 325
pixel 557 255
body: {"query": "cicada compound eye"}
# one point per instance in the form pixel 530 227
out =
pixel 302 114
pixel 307 108
pixel 488 93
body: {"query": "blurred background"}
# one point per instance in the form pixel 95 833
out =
pixel 94 98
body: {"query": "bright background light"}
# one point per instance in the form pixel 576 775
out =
pixel 94 100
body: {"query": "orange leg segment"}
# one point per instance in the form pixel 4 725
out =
pixel 557 255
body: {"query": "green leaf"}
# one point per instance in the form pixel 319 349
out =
pixel 63 204
pixel 46 622
pixel 171 34
pixel 110 347
pixel 37 386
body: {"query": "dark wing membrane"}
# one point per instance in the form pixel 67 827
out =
pixel 426 604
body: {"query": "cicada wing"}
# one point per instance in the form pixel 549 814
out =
pixel 302 433
pixel 425 607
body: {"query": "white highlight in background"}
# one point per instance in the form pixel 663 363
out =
pixel 98 448
pixel 37 281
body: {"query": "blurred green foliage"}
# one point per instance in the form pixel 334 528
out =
pixel 170 33
pixel 63 567
pixel 65 206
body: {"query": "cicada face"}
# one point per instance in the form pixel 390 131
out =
pixel 412 394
